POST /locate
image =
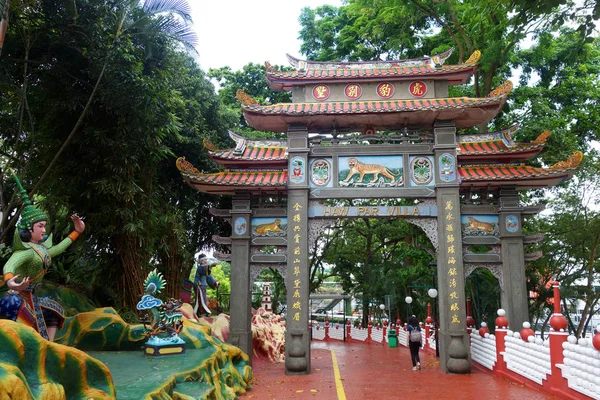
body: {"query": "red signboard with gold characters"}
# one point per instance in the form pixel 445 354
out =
pixel 353 91
pixel 418 89
pixel 321 92
pixel 385 90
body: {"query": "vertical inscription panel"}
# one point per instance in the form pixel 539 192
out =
pixel 454 344
pixel 297 338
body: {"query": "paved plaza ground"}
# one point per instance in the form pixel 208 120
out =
pixel 374 371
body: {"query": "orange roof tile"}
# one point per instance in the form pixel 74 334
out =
pixel 465 112
pixel 308 72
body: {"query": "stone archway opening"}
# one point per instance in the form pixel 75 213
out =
pixel 483 287
pixel 381 253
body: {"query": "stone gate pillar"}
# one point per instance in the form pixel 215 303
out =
pixel 514 293
pixel 240 333
pixel 297 336
pixel 454 341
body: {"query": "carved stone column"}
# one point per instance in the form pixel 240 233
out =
pixel 514 290
pixel 240 333
pixel 297 336
pixel 454 341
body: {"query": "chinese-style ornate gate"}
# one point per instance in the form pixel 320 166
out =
pixel 465 187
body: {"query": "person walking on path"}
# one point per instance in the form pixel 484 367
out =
pixel 414 342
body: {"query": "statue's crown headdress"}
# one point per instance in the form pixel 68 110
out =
pixel 30 214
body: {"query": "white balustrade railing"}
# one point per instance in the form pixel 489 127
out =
pixel 483 350
pixel 318 333
pixel 377 335
pixel 336 332
pixel 530 359
pixel 581 366
pixel 360 334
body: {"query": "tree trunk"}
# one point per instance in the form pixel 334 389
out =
pixel 133 259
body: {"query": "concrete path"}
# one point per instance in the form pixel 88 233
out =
pixel 355 371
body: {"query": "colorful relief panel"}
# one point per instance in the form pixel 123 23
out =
pixel 421 170
pixel 321 172
pixel 298 171
pixel 370 171
pixel 512 223
pixel 479 225
pixel 240 226
pixel 269 226
pixel 418 89
pixel 447 167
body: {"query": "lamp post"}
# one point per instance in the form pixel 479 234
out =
pixel 408 300
pixel 433 294
pixel 381 307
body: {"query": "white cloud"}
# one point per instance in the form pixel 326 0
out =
pixel 237 32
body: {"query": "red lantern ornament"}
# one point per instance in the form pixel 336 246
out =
pixel 526 331
pixel 501 320
pixel 596 339
pixel 483 330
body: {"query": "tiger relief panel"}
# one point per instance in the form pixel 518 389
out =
pixel 371 171
pixel 269 226
pixel 479 225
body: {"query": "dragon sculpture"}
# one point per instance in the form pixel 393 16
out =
pixel 164 322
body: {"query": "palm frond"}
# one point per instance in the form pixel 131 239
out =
pixel 179 7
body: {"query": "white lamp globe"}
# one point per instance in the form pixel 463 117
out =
pixel 432 293
pixel 408 299
pixel 382 307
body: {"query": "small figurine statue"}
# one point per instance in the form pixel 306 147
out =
pixel 202 279
pixel 26 267
pixel 163 333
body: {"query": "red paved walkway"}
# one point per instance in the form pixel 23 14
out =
pixel 370 371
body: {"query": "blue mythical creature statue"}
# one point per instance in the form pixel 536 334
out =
pixel 165 323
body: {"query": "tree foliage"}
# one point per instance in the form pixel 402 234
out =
pixel 147 103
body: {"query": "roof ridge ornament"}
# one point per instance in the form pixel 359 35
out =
pixel 572 162
pixel 440 59
pixel 474 58
pixel 245 98
pixel 502 90
pixel 432 61
pixel 208 145
pixel 185 166
pixel 542 138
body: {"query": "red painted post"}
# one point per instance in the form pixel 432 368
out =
pixel 500 333
pixel 326 328
pixel 348 330
pixel 470 319
pixel 369 331
pixel 557 336
pixel 428 324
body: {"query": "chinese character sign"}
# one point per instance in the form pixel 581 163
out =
pixel 385 90
pixel 418 89
pixel 297 262
pixel 321 92
pixel 451 248
pixel 353 91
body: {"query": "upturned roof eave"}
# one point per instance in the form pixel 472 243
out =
pixel 463 117
pixel 288 83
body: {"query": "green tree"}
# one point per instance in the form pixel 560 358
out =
pixel 153 103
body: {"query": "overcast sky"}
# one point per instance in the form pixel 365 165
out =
pixel 236 32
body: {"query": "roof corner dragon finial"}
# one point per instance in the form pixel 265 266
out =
pixel 502 90
pixel 245 98
pixel 572 162
pixel 474 58
pixel 542 138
